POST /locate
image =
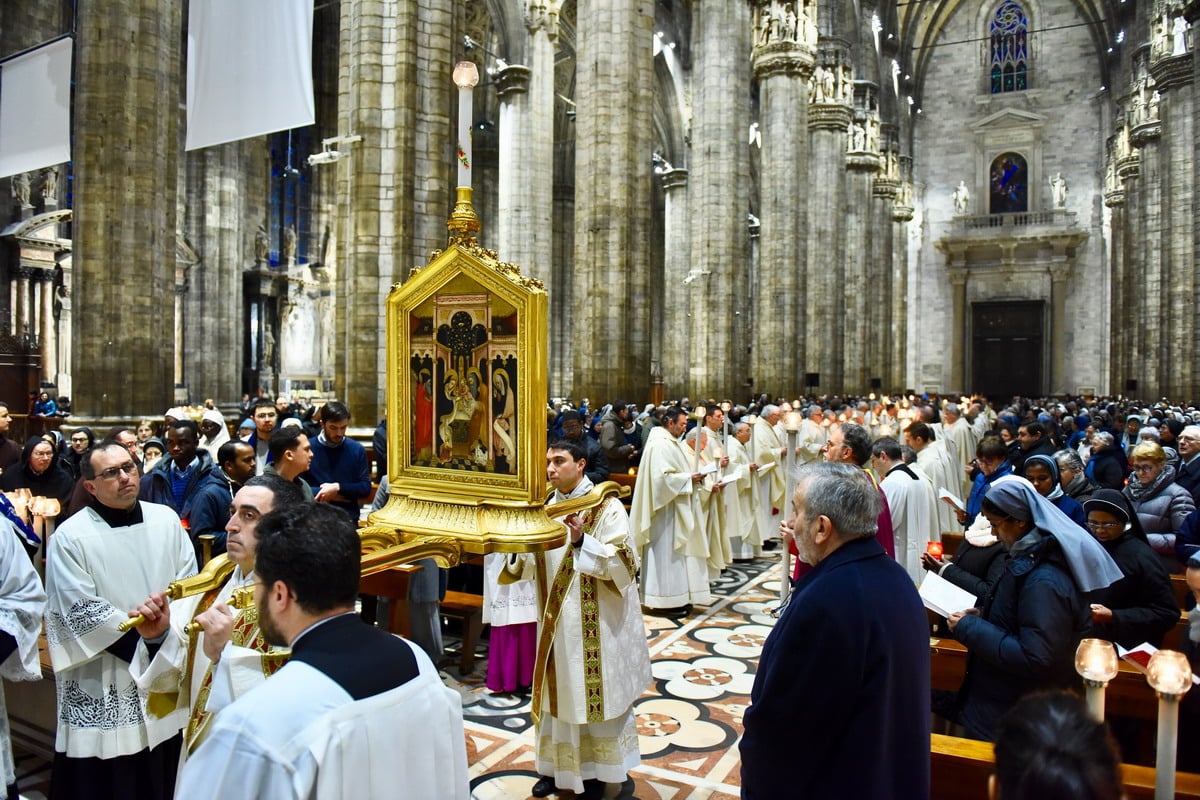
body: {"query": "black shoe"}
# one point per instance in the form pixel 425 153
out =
pixel 769 545
pixel 544 787
pixel 627 788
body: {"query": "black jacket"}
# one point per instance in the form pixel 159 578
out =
pixel 1143 603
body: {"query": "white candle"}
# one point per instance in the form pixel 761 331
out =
pixel 466 76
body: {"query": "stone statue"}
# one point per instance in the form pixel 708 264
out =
pixel 872 140
pixel 268 351
pixel 262 246
pixel 790 22
pixel 829 87
pixel 857 137
pixel 50 184
pixel 1058 190
pixel 289 244
pixel 1110 176
pixel 846 87
pixel 962 198
pixel 20 189
pixel 764 28
pixel 1179 33
pixel 817 94
pixel 1152 108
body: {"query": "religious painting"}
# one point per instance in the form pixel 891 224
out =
pixel 1008 184
pixel 469 367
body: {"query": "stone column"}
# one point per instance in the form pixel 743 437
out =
pixel 902 214
pixel 882 301
pixel 718 192
pixel 782 67
pixel 1114 199
pixel 1154 362
pixel 1060 272
pixel 1128 341
pixel 46 332
pixel 127 140
pixel 857 279
pixel 524 224
pixel 1178 125
pixel 377 191
pixel 679 350
pixel 23 305
pixel 613 147
pixel 957 273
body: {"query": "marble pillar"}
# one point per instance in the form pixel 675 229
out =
pixel 1114 201
pixel 857 278
pixel 1127 344
pixel 125 215
pixel 47 331
pixel 613 148
pixel 1152 359
pixel 718 194
pixel 679 346
pixel 781 299
pixel 883 302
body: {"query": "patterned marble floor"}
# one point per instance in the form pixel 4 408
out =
pixel 690 718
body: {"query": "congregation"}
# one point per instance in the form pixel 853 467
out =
pixel 1079 508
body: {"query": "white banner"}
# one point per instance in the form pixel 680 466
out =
pixel 249 69
pixel 35 109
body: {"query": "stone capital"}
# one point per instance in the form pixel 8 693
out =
pixel 829 116
pixel 513 79
pixel 863 160
pixel 790 59
pixel 674 179
pixel 1146 132
pixel 1172 71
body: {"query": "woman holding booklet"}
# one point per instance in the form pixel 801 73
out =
pixel 1023 636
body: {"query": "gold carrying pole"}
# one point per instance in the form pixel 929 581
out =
pixel 213 576
pixel 599 493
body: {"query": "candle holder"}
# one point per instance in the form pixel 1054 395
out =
pixel 934 549
pixel 1170 675
pixel 1096 663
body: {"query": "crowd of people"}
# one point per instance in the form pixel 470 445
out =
pixel 1073 514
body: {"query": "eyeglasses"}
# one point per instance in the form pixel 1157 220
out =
pixel 1104 526
pixel 1145 467
pixel 129 468
pixel 80 439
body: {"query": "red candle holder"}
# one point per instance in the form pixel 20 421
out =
pixel 934 549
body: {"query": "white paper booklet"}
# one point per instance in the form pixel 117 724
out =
pixel 943 597
pixel 953 500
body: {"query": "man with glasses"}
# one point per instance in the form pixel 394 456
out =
pixel 186 679
pixel 101 563
pixel 1187 474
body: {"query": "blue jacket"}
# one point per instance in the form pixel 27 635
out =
pixel 979 489
pixel 346 465
pixel 840 704
pixel 1024 640
pixel 206 499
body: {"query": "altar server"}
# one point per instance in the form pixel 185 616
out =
pixel 21 603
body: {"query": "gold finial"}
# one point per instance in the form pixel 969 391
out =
pixel 463 223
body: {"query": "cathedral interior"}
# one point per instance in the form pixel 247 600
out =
pixel 735 196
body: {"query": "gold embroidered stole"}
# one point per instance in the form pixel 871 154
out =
pixel 160 704
pixel 245 633
pixel 543 665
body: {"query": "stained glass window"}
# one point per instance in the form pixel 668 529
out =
pixel 1009 184
pixel 1009 32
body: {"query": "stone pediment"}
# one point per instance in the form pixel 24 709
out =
pixel 1008 118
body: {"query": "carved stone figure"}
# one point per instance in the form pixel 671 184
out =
pixel 50 184
pixel 20 189
pixel 962 198
pixel 829 85
pixel 289 244
pixel 1179 37
pixel 789 21
pixel 1058 190
pixel 262 246
pixel 818 83
pixel 846 85
pixel 1152 107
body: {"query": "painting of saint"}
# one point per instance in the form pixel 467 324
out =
pixel 504 422
pixel 423 415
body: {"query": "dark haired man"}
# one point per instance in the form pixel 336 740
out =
pixel 186 679
pixel 291 455
pixel 572 429
pixel 265 417
pixel 935 461
pixel 586 736
pixel 310 730
pixel 237 462
pixel 100 563
pixel 339 472
pixel 189 483
pixel 612 437
pixel 1034 441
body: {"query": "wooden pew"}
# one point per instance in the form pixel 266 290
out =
pixel 1182 593
pixel 960 770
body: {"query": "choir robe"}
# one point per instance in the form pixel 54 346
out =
pixel 593 662
pixel 180 688
pixel 911 501
pixel 666 535
pixel 22 602
pixel 95 574
pixel 740 529
pixel 318 728
pixel 963 440
pixel 935 461
pixel 710 509
pixel 769 486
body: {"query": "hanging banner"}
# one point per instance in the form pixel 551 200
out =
pixel 35 109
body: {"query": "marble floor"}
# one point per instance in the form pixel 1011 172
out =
pixel 689 720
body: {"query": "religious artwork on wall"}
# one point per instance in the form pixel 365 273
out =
pixel 1008 183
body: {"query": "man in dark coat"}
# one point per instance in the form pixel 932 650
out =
pixel 1034 441
pixel 1108 466
pixel 840 704
pixel 1187 474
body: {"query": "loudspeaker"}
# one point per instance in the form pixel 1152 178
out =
pixel 876 383
pixel 1131 385
pixel 812 379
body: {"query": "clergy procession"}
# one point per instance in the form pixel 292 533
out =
pixel 256 676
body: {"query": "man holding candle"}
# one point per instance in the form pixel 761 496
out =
pixel 767 450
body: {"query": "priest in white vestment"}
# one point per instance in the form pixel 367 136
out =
pixel 666 534
pixel 100 564
pixel 592 661
pixel 911 501
pixel 742 532
pixel 22 601
pixel 767 450
pixel 960 440
pixel 936 462
pixel 185 679
pixel 709 498
pixel 355 713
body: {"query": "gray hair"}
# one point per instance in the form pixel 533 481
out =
pixel 1191 430
pixel 952 409
pixel 769 409
pixel 1102 438
pixel 737 426
pixel 1148 432
pixel 1069 459
pixel 841 492
pixel 908 454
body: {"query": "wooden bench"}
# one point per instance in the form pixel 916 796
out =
pixel 960 770
pixel 1182 592
pixel 469 609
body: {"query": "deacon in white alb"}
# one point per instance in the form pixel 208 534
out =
pixel 21 603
